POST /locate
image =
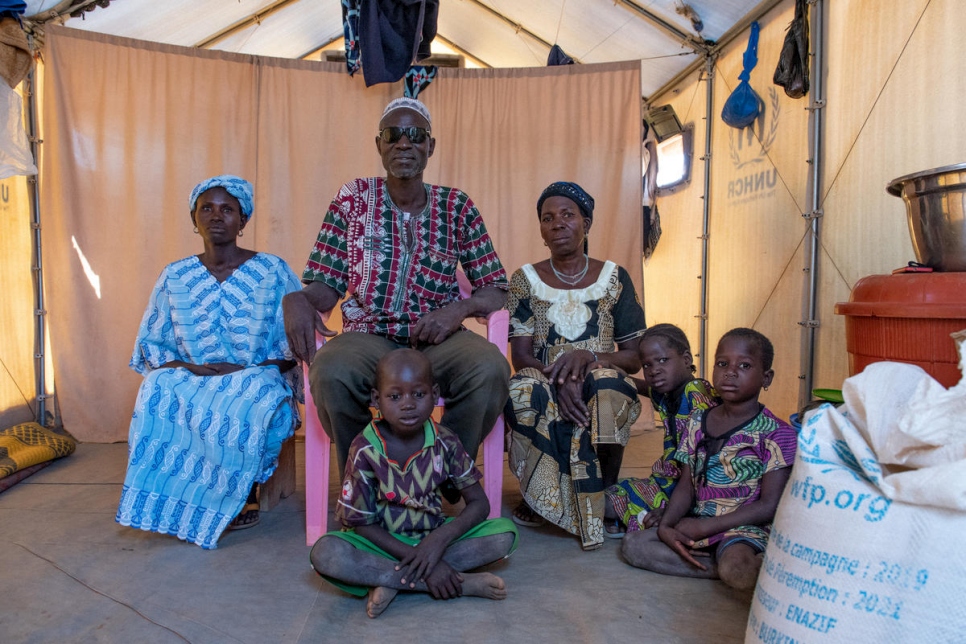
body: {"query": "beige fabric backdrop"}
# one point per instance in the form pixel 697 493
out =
pixel 131 127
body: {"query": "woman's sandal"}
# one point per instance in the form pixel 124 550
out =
pixel 613 529
pixel 247 518
pixel 524 515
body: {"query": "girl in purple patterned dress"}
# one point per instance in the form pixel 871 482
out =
pixel 735 460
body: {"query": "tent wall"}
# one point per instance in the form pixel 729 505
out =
pixel 17 386
pixel 130 127
pixel 893 100
pixel 758 183
pixel 896 90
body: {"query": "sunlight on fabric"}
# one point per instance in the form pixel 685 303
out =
pixel 92 277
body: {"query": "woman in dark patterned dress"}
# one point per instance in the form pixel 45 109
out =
pixel 570 419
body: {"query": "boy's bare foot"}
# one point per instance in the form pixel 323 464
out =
pixel 483 584
pixel 379 599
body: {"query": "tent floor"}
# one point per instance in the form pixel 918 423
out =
pixel 71 574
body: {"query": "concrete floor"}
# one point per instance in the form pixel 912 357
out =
pixel 71 574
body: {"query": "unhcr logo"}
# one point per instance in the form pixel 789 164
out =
pixel 748 150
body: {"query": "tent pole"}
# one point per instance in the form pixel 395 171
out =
pixel 814 213
pixel 706 229
pixel 40 326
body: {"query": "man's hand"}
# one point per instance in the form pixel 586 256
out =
pixel 301 323
pixel 436 326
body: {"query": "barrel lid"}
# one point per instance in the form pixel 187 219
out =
pixel 908 295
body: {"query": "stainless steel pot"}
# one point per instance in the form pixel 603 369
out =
pixel 935 204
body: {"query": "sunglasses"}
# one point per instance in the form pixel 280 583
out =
pixel 416 135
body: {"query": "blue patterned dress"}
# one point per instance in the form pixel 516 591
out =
pixel 197 443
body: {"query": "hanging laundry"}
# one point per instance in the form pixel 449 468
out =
pixel 393 34
pixel 12 8
pixel 15 155
pixel 792 70
pixel 15 56
pixel 350 26
pixel 558 57
pixel 652 219
pixel 418 78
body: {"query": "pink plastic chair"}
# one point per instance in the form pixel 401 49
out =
pixel 318 444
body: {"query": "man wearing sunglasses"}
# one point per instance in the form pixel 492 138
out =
pixel 391 247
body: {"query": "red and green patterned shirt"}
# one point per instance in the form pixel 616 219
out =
pixel 403 498
pixel 364 251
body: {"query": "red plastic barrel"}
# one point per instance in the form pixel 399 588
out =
pixel 906 317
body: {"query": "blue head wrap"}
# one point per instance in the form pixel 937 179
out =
pixel 235 186
pixel 571 191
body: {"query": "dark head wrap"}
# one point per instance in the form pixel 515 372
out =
pixel 571 191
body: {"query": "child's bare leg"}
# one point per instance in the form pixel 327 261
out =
pixel 472 553
pixel 644 549
pixel 337 558
pixel 738 565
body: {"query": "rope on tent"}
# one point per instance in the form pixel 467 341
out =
pixel 687 115
pixel 17 385
pixel 556 36
pixel 868 116
pixel 606 38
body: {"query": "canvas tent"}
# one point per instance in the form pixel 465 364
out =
pixel 890 78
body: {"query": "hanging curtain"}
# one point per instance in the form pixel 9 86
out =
pixel 130 128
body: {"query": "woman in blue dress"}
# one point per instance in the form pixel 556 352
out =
pixel 219 391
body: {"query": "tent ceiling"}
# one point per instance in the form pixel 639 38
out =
pixel 498 33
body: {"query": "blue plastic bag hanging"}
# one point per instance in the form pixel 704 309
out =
pixel 743 106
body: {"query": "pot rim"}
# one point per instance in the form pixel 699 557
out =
pixel 894 187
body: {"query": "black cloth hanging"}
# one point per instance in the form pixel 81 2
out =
pixel 792 70
pixel 394 33
pixel 558 57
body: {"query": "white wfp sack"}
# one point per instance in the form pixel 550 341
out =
pixel 867 543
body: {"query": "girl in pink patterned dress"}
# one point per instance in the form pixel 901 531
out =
pixel 735 460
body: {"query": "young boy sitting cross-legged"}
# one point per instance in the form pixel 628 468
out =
pixel 395 535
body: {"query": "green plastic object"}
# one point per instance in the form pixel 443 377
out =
pixel 831 395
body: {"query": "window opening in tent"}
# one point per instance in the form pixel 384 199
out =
pixel 674 161
pixel 92 277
